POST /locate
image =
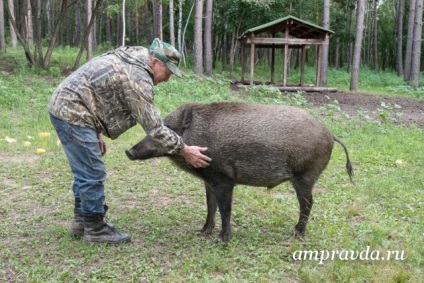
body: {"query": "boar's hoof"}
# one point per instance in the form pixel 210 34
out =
pixel 222 237
pixel 204 231
pixel 298 234
pixel 129 155
pixel 219 240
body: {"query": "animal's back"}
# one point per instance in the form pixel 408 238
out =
pixel 259 145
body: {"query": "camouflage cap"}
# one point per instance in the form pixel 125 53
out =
pixel 167 54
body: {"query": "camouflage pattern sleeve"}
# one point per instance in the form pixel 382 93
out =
pixel 138 92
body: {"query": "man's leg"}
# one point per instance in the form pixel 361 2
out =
pixel 81 146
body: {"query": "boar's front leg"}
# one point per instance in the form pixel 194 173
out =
pixel 212 205
pixel 224 197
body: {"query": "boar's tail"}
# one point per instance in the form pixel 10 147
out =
pixel 349 168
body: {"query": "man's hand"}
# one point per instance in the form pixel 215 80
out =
pixel 102 144
pixel 193 155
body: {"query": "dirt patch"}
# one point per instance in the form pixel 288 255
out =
pixel 402 110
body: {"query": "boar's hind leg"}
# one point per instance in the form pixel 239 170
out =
pixel 212 205
pixel 303 186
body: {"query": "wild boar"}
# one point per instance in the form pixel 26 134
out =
pixel 250 144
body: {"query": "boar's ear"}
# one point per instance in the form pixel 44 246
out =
pixel 187 117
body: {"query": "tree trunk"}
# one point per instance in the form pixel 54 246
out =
pixel 356 61
pixel 49 18
pixel 13 39
pixel 38 37
pixel 29 32
pixel 88 14
pixel 416 46
pixel 171 23
pixel 77 24
pixel 123 24
pixel 157 19
pixel 224 45
pixel 375 36
pixel 349 51
pixel 208 38
pixel 409 40
pixel 337 54
pixel 2 29
pixel 160 14
pixel 87 33
pixel 399 37
pixel 233 49
pixel 324 49
pixel 57 26
pixel 108 26
pixel 21 38
pixel 198 44
pixel 180 24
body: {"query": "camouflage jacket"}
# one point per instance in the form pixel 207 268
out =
pixel 111 93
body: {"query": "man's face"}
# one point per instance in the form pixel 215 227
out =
pixel 161 71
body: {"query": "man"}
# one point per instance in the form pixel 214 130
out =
pixel 107 96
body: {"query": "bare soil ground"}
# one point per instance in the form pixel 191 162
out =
pixel 408 110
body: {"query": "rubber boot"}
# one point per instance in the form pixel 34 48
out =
pixel 98 231
pixel 77 227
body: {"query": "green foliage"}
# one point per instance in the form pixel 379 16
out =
pixel 161 206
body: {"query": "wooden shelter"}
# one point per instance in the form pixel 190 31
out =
pixel 296 34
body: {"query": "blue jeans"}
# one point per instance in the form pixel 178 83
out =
pixel 81 146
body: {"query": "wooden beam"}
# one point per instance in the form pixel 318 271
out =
pixel 307 88
pixel 283 41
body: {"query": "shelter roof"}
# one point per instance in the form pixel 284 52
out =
pixel 296 27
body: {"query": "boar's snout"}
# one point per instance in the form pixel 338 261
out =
pixel 130 154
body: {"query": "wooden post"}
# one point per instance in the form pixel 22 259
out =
pixel 272 61
pixel 243 61
pixel 318 78
pixel 286 55
pixel 302 65
pixel 252 60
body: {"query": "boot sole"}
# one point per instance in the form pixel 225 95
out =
pixel 93 242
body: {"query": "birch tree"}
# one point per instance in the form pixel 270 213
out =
pixel 399 37
pixel 409 39
pixel 171 23
pixel 180 25
pixel 324 49
pixel 208 38
pixel 27 14
pixel 88 13
pixel 2 29
pixel 198 35
pixel 356 61
pixel 13 39
pixel 157 19
pixel 416 45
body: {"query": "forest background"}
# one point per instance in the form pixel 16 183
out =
pixel 376 34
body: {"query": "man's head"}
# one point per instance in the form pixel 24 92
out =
pixel 165 60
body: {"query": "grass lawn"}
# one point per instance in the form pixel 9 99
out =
pixel 370 231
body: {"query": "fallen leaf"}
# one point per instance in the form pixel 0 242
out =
pixel 40 151
pixel 9 139
pixel 44 135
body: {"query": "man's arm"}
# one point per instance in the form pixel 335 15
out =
pixel 139 97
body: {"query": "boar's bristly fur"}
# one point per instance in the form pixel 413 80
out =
pixel 250 144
